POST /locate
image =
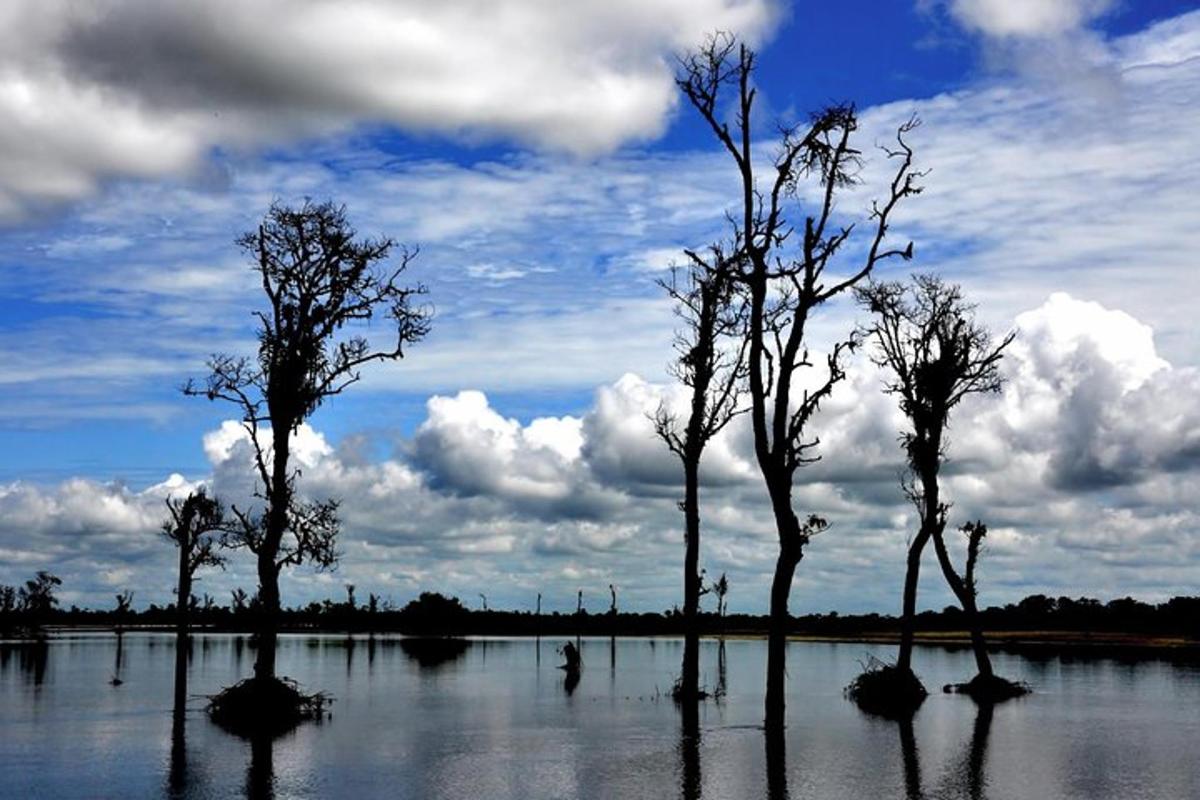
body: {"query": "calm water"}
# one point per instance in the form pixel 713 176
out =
pixel 495 721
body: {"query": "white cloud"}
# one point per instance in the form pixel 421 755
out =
pixel 1031 18
pixel 135 88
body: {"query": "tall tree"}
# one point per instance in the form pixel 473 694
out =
pixel 319 278
pixel 935 355
pixel 711 363
pixel 783 272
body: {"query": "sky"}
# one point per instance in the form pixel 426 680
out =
pixel 540 156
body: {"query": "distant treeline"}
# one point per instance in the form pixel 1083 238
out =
pixel 436 614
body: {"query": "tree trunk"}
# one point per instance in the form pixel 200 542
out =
pixel 908 619
pixel 690 677
pixel 279 499
pixel 183 591
pixel 790 553
pixel 268 622
pixel 966 598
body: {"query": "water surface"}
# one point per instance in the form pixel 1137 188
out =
pixel 494 719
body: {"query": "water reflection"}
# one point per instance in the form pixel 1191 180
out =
pixel 260 776
pixel 432 653
pixel 975 776
pixel 31 658
pixel 722 683
pixel 570 681
pixel 777 782
pixel 504 732
pixel 177 771
pixel 118 661
pixel 689 752
pixel 911 758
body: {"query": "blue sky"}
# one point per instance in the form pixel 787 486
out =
pixel 539 156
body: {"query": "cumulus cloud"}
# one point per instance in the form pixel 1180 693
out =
pixel 1086 467
pixel 135 88
pixel 1031 18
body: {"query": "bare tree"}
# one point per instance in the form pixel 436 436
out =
pixel 721 589
pixel 195 526
pixel 711 362
pixel 935 355
pixel 783 271
pixel 318 279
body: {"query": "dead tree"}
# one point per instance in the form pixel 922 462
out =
pixel 711 363
pixel 319 279
pixel 934 355
pixel 785 245
pixel 195 526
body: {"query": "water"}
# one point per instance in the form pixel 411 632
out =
pixel 495 721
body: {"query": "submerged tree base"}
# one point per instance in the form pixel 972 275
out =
pixel 989 690
pixel 683 694
pixel 270 706
pixel 886 690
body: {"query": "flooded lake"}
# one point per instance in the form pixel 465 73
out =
pixel 493 719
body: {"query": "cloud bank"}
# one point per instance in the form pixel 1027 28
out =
pixel 1085 467
pixel 143 89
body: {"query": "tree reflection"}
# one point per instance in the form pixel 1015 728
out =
pixel 968 777
pixel 912 759
pixel 777 783
pixel 976 779
pixel 689 752
pixel 260 777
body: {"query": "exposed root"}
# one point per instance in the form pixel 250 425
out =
pixel 989 690
pixel 886 690
pixel 265 707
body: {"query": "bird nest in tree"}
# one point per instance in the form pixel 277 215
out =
pixel 268 706
pixel 886 690
pixel 993 689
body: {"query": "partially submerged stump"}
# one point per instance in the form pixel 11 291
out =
pixel 270 707
pixel 989 689
pixel 886 690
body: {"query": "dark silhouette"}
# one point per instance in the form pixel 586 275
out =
pixel 195 525
pixel 782 272
pixel 28 608
pixel 571 658
pixel 721 590
pixel 318 279
pixel 711 362
pixel 935 355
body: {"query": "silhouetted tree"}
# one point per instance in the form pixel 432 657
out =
pixel 318 278
pixel 36 598
pixel 711 363
pixel 123 609
pixel 935 355
pixel 239 601
pixel 195 525
pixel 721 589
pixel 782 270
